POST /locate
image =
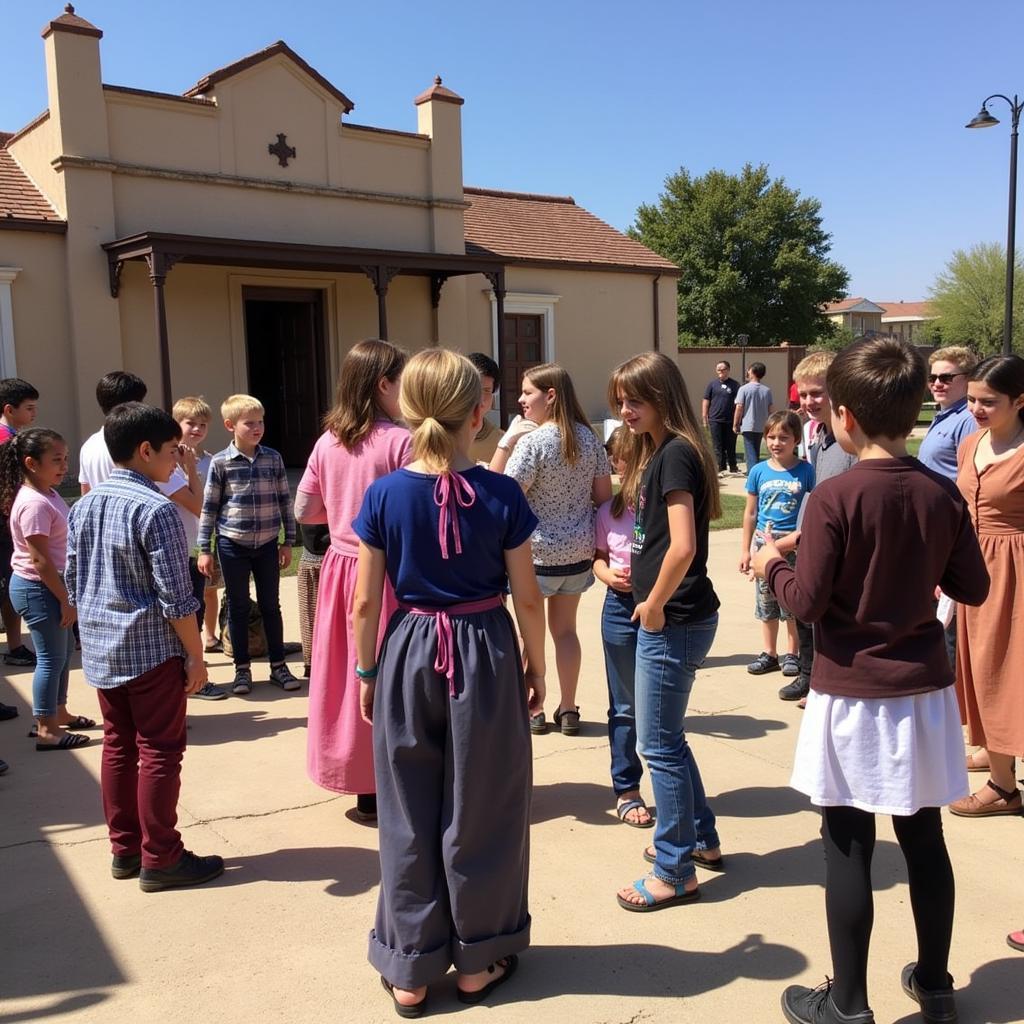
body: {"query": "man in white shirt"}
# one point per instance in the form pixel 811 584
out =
pixel 94 461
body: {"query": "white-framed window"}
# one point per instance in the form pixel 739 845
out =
pixel 8 361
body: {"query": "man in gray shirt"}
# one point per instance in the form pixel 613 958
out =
pixel 754 404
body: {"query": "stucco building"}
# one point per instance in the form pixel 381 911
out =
pixel 243 235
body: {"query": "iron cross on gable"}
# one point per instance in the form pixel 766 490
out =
pixel 282 150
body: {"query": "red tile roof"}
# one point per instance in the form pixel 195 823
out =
pixel 844 304
pixel 900 310
pixel 20 201
pixel 523 227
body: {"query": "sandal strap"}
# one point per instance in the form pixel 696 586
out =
pixel 1006 794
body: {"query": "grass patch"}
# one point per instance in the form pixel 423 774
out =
pixel 732 512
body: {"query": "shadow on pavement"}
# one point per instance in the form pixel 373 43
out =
pixel 759 802
pixel 348 870
pixel 585 801
pixel 733 727
pixel 723 660
pixel 70 1004
pixel 229 726
pixel 647 971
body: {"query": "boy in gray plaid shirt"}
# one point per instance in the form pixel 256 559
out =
pixel 247 501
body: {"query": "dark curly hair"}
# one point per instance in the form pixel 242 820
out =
pixel 32 443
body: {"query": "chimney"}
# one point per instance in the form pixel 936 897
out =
pixel 74 85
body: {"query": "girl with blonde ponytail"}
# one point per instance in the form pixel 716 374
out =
pixel 448 696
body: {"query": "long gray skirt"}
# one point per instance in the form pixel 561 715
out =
pixel 454 775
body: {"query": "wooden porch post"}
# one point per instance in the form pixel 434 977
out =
pixel 158 267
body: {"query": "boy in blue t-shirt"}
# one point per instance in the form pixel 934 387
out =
pixel 775 491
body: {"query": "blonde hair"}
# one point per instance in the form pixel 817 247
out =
pixel 813 367
pixel 355 398
pixel 235 406
pixel 440 390
pixel 193 407
pixel 654 378
pixel 959 356
pixel 566 410
pixel 618 448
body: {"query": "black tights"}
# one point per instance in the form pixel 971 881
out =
pixel 849 836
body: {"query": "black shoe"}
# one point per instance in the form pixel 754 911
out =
pixel 126 867
pixel 938 1005
pixel 20 656
pixel 366 806
pixel 790 665
pixel 763 663
pixel 190 870
pixel 800 687
pixel 803 1005
pixel 7 711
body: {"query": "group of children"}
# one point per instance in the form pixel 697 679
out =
pixel 438 669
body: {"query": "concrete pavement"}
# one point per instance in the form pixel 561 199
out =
pixel 282 936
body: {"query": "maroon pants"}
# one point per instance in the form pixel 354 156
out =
pixel 143 740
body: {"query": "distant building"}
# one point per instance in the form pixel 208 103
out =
pixel 906 320
pixel 858 315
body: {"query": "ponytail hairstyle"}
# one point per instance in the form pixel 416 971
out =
pixel 1004 374
pixel 654 378
pixel 355 399
pixel 618 448
pixel 32 443
pixel 566 410
pixel 440 390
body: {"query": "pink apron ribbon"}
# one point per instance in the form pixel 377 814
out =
pixel 444 663
pixel 451 492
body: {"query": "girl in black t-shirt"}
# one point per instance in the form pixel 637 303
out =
pixel 676 605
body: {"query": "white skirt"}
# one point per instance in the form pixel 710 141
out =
pixel 890 755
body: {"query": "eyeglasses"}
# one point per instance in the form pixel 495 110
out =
pixel 944 378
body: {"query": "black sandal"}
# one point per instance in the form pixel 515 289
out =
pixel 510 963
pixel 69 741
pixel 415 1010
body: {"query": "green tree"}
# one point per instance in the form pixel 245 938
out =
pixel 969 297
pixel 753 253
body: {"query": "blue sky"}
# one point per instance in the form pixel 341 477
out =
pixel 861 104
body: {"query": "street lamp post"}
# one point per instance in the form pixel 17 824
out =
pixel 984 119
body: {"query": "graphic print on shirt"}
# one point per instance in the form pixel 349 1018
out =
pixel 779 499
pixel 638 526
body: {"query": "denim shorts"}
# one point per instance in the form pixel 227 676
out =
pixel 766 608
pixel 577 583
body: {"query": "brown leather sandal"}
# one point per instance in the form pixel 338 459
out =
pixel 1009 802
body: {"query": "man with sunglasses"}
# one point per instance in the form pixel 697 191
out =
pixel 947 381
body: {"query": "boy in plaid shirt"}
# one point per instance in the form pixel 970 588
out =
pixel 247 501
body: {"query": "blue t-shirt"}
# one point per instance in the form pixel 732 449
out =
pixel 780 493
pixel 400 518
pixel 944 437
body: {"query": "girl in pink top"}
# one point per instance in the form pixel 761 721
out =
pixel 360 443
pixel 32 465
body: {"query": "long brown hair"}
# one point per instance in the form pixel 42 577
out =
pixel 32 443
pixel 618 448
pixel 654 378
pixel 566 410
pixel 355 399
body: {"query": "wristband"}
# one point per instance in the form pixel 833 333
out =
pixel 366 673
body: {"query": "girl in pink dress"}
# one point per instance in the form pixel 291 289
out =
pixel 361 442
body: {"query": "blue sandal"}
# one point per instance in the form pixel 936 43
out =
pixel 651 903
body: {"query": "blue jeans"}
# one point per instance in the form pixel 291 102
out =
pixel 752 447
pixel 666 664
pixel 236 562
pixel 619 636
pixel 54 644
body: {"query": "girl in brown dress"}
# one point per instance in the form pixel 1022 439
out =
pixel 990 638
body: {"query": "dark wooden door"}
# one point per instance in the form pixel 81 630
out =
pixel 523 348
pixel 284 335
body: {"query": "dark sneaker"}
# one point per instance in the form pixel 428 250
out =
pixel 790 665
pixel 938 1005
pixel 126 867
pixel 7 711
pixel 568 721
pixel 366 807
pixel 814 1006
pixel 799 688
pixel 190 870
pixel 538 724
pixel 763 663
pixel 242 684
pixel 281 675
pixel 20 656
pixel 210 692
pixel 291 647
